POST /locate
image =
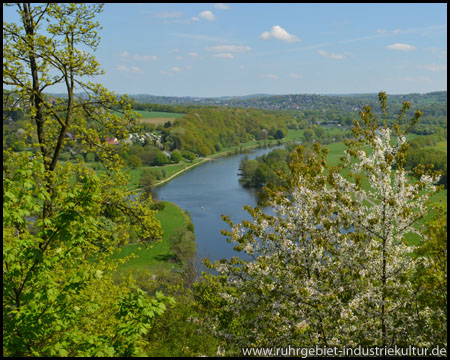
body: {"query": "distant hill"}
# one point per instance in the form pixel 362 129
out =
pixel 297 101
pixel 345 102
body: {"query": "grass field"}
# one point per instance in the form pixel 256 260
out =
pixel 157 117
pixel 158 256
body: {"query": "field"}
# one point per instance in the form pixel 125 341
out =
pixel 158 256
pixel 157 117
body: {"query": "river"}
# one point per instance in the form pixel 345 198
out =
pixel 207 192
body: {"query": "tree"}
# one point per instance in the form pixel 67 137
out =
pixel 308 135
pixel 430 278
pixel 175 156
pixel 319 131
pixel 331 267
pixel 160 159
pixel 279 134
pixel 59 295
pixel 90 157
pixel 183 245
pixel 188 155
pixel 134 161
pixel 61 221
pixel 147 181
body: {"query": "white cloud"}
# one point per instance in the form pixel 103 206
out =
pixel 132 69
pixel 171 71
pixel 381 31
pixel 229 48
pixel 207 15
pixel 125 55
pixel 440 53
pixel 193 54
pixel 331 55
pixel 401 47
pixel 295 76
pixel 270 76
pixel 434 67
pixel 224 56
pixel 279 33
pixel 221 6
pixel 195 18
pixel 136 69
pixel 144 57
pixel 179 57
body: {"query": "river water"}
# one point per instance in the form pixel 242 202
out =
pixel 207 192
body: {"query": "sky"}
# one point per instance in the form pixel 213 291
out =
pixel 236 49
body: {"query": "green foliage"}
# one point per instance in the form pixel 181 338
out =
pixel 160 159
pixel 134 161
pixel 319 131
pixel 59 298
pixel 308 135
pixel 147 180
pixel 188 155
pixel 158 206
pixel 204 130
pixel 420 154
pixel 430 277
pixel 264 169
pixel 180 331
pixel 90 157
pixel 183 244
pixel 175 156
pixel 62 222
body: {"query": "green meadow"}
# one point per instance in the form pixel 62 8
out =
pixel 158 256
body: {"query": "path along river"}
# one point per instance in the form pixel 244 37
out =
pixel 207 192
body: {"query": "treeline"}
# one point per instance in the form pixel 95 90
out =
pixel 179 109
pixel 420 152
pixel 207 130
pixel 258 172
pixel 295 101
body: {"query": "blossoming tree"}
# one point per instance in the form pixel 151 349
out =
pixel 331 266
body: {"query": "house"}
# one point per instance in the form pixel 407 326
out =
pixel 111 141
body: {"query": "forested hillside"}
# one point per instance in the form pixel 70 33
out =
pixel 210 129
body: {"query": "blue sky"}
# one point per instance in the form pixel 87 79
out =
pixel 208 49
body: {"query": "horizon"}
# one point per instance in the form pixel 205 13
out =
pixel 206 50
pixel 260 95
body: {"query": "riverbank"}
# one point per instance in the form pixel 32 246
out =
pixel 242 148
pixel 245 147
pixel 166 180
pixel 159 257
